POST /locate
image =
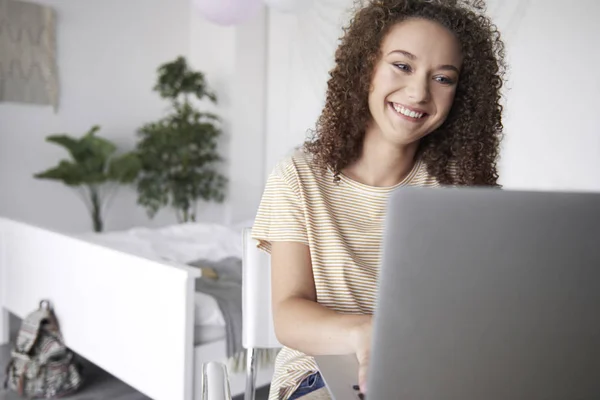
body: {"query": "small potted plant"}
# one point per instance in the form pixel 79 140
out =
pixel 93 169
pixel 178 153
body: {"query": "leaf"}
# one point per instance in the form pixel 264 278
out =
pixel 66 171
pixel 69 143
pixel 210 116
pixel 91 161
pixel 124 168
pixel 97 148
pixel 176 79
pixel 89 150
pixel 152 194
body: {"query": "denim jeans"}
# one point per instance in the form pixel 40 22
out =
pixel 308 385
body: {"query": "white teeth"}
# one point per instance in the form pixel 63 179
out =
pixel 408 113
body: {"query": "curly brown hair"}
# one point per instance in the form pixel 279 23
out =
pixel 468 141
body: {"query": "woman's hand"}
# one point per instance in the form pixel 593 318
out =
pixel 362 349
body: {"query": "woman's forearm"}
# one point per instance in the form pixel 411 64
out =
pixel 313 329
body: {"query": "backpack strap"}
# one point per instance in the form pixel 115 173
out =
pixel 31 325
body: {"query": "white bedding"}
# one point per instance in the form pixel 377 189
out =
pixel 182 244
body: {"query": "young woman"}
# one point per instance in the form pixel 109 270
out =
pixel 413 99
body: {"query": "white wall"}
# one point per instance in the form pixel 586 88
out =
pixel 300 54
pixel 234 60
pixel 552 121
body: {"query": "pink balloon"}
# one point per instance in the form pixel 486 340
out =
pixel 228 12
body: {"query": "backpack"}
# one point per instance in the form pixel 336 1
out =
pixel 41 366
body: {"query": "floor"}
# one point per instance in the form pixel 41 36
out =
pixel 100 385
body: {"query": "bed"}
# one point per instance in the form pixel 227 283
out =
pixel 127 301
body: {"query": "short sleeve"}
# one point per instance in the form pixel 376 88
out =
pixel 281 216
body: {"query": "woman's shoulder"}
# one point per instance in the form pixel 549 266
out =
pixel 297 166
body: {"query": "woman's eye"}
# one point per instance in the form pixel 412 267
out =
pixel 444 80
pixel 402 67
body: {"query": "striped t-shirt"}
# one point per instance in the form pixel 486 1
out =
pixel 342 223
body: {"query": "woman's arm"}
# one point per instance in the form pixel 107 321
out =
pixel 300 322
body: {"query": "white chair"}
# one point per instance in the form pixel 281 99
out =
pixel 258 330
pixel 215 382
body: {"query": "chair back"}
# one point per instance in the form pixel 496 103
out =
pixel 258 330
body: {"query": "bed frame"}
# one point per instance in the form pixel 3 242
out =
pixel 131 316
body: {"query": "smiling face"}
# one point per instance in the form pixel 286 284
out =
pixel 414 81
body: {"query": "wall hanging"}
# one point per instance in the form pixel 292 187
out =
pixel 28 70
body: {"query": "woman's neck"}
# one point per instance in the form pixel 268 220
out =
pixel 382 164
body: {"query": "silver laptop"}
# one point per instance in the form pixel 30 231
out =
pixel 484 294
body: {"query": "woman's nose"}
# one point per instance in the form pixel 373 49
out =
pixel 418 89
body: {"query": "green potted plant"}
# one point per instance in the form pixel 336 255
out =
pixel 93 169
pixel 178 153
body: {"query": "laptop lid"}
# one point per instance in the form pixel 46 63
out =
pixel 488 294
